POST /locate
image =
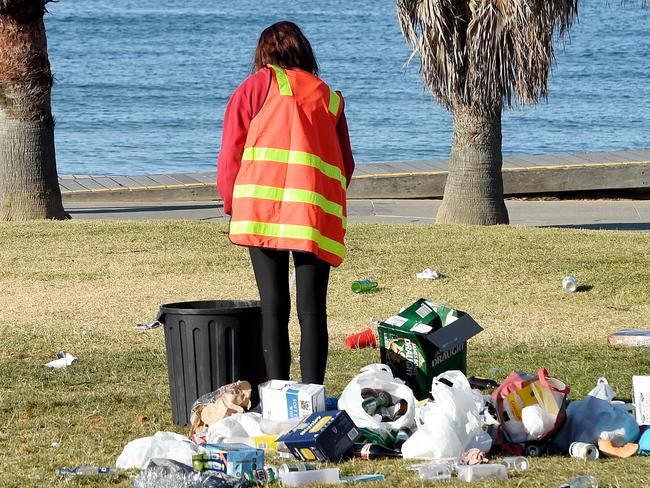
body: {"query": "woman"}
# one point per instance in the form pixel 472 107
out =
pixel 283 170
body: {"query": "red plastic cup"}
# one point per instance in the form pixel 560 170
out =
pixel 365 338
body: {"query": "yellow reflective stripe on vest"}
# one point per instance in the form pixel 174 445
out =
pixel 287 231
pixel 294 157
pixel 283 80
pixel 335 102
pixel 290 195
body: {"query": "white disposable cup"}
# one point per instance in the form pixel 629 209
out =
pixel 569 284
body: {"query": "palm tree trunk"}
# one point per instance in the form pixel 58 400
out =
pixel 474 187
pixel 29 187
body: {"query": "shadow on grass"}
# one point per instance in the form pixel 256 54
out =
pixel 628 226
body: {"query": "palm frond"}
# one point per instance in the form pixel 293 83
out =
pixel 23 8
pixel 483 53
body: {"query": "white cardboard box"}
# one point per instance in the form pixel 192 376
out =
pixel 285 400
pixel 641 386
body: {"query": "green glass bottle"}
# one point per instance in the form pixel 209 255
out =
pixel 362 286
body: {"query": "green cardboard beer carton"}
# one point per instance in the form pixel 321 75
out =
pixel 424 340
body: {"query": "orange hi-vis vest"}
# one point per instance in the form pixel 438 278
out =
pixel 291 187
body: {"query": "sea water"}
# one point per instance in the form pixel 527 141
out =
pixel 141 86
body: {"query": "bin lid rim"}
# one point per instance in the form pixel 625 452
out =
pixel 210 307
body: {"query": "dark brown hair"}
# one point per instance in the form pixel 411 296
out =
pixel 284 44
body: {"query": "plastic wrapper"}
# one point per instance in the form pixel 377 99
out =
pixel 165 473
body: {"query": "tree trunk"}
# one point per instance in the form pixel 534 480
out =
pixel 474 187
pixel 29 187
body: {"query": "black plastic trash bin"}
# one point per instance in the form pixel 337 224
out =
pixel 210 344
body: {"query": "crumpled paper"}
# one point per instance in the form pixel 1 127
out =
pixel 474 456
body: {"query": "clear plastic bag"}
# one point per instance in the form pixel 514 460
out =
pixel 219 404
pixel 596 417
pixel 163 473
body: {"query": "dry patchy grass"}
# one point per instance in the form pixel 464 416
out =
pixel 81 286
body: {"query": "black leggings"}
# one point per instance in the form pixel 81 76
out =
pixel 271 269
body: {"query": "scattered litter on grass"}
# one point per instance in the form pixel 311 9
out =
pixel 365 338
pixel 569 284
pixel 88 471
pixel 55 445
pixel 427 274
pixel 364 286
pixel 148 326
pixel 64 359
pixel 455 427
pixel 630 338
pixel 585 481
pixel 166 473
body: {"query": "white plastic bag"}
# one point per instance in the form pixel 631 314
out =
pixel 237 425
pixel 450 424
pixel 379 377
pixel 165 445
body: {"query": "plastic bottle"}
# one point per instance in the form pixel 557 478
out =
pixel 435 472
pixel 373 451
pixel 569 284
pixel 585 481
pixel 362 286
pixel 478 472
pixel 296 467
pixel 517 463
pixel 299 478
pixel 88 471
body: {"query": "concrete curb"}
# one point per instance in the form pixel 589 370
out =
pixel 410 185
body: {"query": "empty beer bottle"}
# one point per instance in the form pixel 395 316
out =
pixel 373 451
pixel 363 286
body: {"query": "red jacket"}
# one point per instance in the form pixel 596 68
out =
pixel 244 104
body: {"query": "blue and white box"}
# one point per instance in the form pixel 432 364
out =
pixel 286 400
pixel 232 459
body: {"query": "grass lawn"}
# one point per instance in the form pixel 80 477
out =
pixel 80 287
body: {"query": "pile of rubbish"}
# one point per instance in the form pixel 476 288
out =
pixel 453 426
